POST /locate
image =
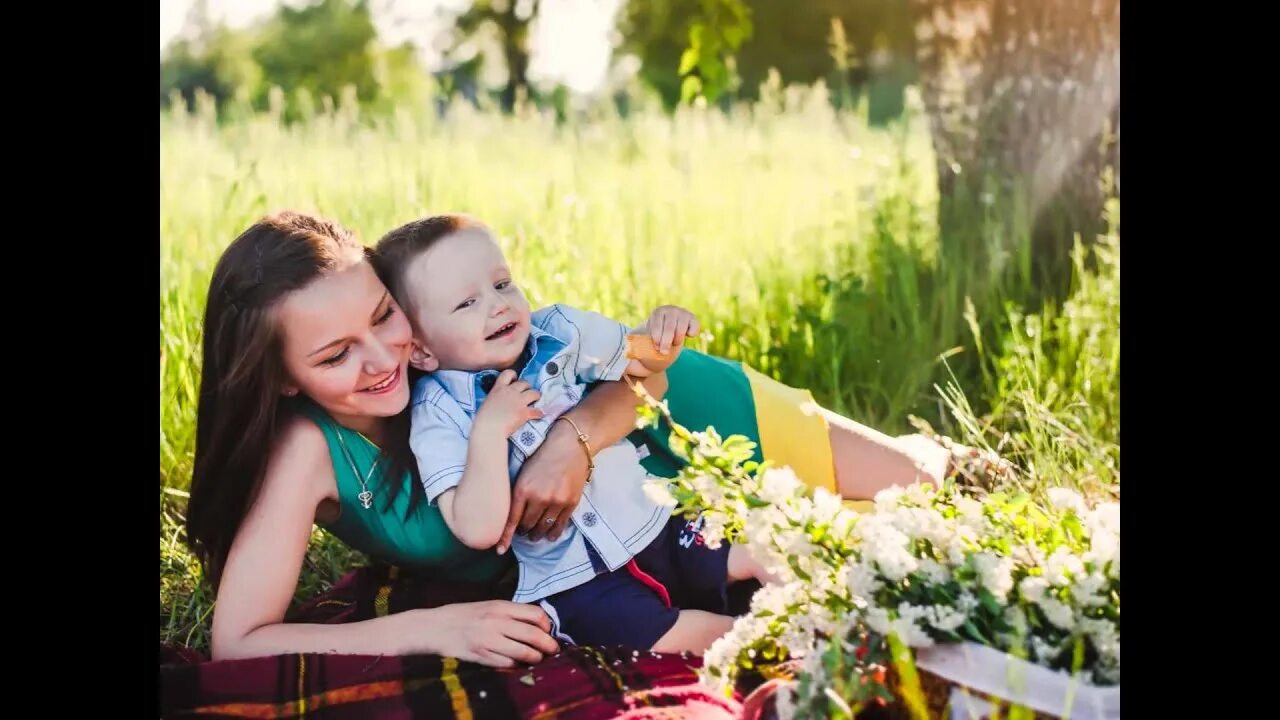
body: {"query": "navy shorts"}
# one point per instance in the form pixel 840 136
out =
pixel 637 604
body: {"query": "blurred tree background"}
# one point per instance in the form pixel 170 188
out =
pixel 1022 95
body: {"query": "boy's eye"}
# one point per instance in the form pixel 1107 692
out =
pixel 503 284
pixel 465 304
pixel 386 315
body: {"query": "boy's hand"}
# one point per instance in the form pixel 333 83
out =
pixel 670 325
pixel 508 405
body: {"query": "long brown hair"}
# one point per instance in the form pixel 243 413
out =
pixel 241 409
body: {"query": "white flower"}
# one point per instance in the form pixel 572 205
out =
pixel 909 535
pixel 970 511
pixel 826 505
pixel 934 570
pixel 1066 499
pixel 995 573
pixel 892 558
pixel 659 492
pixel 863 580
pixel 1090 590
pixel 1062 564
pixel 922 523
pixel 1033 588
pixel 910 633
pixel 779 485
pixel 723 654
pixel 878 620
pixel 798 635
pixel 712 532
pixel 1016 618
pixel 774 598
pixel 1104 635
pixel 919 493
pixel 956 550
pixel 888 498
pixel 1104 518
pixel 1058 612
pixel 945 618
pixel 1104 541
pixel 1041 649
pixel 1104 551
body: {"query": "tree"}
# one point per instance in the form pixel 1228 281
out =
pixel 510 20
pixel 791 37
pixel 1023 98
pixel 308 53
pixel 209 57
pixel 322 47
pixel 1023 102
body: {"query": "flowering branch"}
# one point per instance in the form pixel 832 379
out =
pixel 1037 579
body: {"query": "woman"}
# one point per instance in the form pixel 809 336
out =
pixel 302 421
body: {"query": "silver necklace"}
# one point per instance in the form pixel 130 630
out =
pixel 366 497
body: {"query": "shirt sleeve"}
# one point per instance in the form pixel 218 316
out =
pixel 602 344
pixel 438 435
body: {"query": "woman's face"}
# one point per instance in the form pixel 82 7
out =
pixel 346 346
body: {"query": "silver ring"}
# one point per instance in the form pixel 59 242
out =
pixel 550 521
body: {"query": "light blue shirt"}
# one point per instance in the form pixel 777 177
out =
pixel 568 349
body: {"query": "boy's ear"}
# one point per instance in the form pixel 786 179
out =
pixel 422 359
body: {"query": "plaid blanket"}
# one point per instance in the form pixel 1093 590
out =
pixel 579 683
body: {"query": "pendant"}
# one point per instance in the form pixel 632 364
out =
pixel 366 499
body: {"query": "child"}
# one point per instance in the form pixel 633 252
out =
pixel 624 572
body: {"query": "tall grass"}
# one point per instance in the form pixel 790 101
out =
pixel 803 238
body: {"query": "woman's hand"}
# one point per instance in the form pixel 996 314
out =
pixel 550 482
pixel 549 486
pixel 497 633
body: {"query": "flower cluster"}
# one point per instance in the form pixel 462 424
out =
pixel 1038 577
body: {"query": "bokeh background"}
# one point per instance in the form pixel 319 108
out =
pixel 910 207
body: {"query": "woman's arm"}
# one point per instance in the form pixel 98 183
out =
pixel 550 482
pixel 261 575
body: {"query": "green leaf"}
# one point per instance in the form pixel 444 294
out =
pixel 690 89
pixel 989 602
pixel 795 566
pixel 688 60
pixel 1073 526
pixel 1017 502
pixel 975 634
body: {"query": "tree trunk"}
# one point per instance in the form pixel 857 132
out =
pixel 1023 98
pixel 515 49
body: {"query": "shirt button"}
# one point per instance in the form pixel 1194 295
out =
pixel 589 519
pixel 486 382
pixel 553 369
pixel 527 437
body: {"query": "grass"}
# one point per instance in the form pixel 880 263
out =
pixel 803 238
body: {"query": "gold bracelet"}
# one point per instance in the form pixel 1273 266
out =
pixel 582 438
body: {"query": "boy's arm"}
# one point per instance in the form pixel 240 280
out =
pixel 476 508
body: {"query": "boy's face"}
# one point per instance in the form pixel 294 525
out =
pixel 468 313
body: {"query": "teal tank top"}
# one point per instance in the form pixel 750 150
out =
pixel 419 540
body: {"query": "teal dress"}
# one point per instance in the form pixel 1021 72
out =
pixel 418 541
